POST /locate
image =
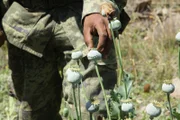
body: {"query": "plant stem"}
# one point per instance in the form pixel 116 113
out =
pixel 74 96
pixel 118 58
pixel 79 101
pixel 119 50
pixel 84 91
pixel 104 94
pixel 125 87
pixel 179 60
pixel 170 108
pixel 151 118
pixel 91 118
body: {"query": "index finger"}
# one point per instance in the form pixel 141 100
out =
pixel 88 37
pixel 103 35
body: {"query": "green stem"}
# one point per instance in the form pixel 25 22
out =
pixel 74 96
pixel 119 60
pixel 119 50
pixel 117 56
pixel 91 118
pixel 179 60
pixel 120 57
pixel 79 102
pixel 125 87
pixel 84 91
pixel 151 118
pixel 104 94
pixel 169 102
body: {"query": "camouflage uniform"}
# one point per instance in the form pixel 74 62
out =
pixel 39 35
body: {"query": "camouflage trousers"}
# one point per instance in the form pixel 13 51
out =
pixel 39 83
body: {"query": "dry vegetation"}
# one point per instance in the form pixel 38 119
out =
pixel 149 52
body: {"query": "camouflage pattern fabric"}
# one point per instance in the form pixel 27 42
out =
pixel 39 44
pixel 37 85
pixel 24 26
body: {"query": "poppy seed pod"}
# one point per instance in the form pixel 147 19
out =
pixel 91 107
pixel 153 109
pixel 73 76
pixel 178 37
pixel 127 106
pixel 115 24
pixel 168 87
pixel 94 55
pixel 76 55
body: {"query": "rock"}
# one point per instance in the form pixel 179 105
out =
pixel 147 88
pixel 140 6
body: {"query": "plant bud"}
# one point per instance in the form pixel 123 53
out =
pixel 153 109
pixel 73 76
pixel 168 88
pixel 94 55
pixel 178 37
pixel 127 106
pixel 115 24
pixel 91 107
pixel 76 55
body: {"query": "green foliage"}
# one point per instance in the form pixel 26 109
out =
pixel 128 82
pixel 114 109
pixel 176 112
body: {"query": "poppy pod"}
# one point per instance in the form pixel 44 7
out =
pixel 153 109
pixel 73 76
pixel 178 37
pixel 76 55
pixel 127 106
pixel 91 107
pixel 115 24
pixel 94 55
pixel 168 87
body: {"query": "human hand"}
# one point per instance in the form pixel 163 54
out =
pixel 2 38
pixel 96 24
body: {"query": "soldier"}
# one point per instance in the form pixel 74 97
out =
pixel 39 33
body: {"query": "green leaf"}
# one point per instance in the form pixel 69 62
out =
pixel 114 109
pixel 176 112
pixel 128 82
pixel 178 108
pixel 115 96
pixel 176 115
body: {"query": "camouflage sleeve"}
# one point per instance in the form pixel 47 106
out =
pixel 94 6
pixel 90 6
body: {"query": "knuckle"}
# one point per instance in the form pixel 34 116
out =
pixel 104 35
pixel 100 20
